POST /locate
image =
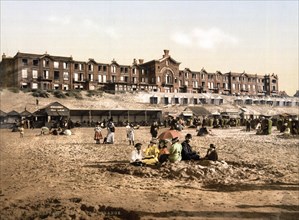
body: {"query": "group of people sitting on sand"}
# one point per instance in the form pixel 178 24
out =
pixel 159 152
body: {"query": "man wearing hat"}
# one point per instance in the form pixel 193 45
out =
pixel 175 150
pixel 187 152
pixel 212 153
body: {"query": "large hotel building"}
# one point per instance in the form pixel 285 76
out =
pixel 48 72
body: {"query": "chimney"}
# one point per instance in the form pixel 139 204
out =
pixel 166 53
pixel 134 61
pixel 140 61
pixel 3 56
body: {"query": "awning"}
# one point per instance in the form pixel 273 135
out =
pixel 189 114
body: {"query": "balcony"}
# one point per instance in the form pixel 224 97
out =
pixel 167 84
pixel 78 80
pixel 41 78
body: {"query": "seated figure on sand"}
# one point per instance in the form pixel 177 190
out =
pixel 175 150
pixel 164 153
pixel 203 131
pixel 136 155
pixel 211 153
pixel 151 153
pixel 187 152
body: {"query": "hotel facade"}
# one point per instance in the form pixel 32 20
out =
pixel 48 72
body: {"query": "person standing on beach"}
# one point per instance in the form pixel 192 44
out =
pixel 154 129
pixel 111 130
pixel 98 133
pixel 21 130
pixel 131 134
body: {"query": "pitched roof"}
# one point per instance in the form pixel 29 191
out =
pixel 198 110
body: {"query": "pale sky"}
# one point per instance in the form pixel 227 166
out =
pixel 258 37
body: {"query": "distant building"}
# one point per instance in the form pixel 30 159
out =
pixel 47 72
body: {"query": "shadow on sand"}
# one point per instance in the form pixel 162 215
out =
pixel 250 187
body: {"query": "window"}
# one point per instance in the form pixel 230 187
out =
pixel 273 88
pixel 248 87
pixel 99 68
pixel 76 66
pixel 45 63
pixel 158 79
pixel 113 78
pixel 142 71
pixel 186 83
pixel 65 65
pixel 65 87
pixel 90 67
pixel 104 68
pixel 24 73
pixel 81 77
pixel 46 74
pixel 34 86
pixel 134 71
pixel 134 80
pixel 121 78
pixel 234 86
pixel 168 78
pixel 100 78
pixel 76 76
pixel 25 62
pixel 90 77
pixel 35 62
pixel 113 69
pixel 126 79
pixel 56 75
pixel 104 78
pixel 34 74
pixel 65 75
pixel 56 64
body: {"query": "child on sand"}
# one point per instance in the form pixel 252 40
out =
pixel 164 153
pixel 136 155
pixel 212 153
pixel 21 129
pixel 98 133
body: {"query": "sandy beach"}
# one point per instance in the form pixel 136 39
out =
pixel 71 177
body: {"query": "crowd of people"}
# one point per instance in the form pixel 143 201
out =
pixel 161 151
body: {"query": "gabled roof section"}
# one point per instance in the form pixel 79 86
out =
pixel 54 104
pixel 114 62
pixel 25 113
pixel 170 58
pixel 91 60
pixel 2 113
pixel 198 110
pixel 13 113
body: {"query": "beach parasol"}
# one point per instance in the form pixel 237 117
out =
pixel 169 134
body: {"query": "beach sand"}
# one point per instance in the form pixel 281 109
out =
pixel 71 177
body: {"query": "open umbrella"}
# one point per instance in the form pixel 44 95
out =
pixel 169 134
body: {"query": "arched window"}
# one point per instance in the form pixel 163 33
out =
pixel 168 77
